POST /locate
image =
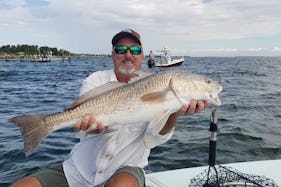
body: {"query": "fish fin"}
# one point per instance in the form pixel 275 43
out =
pixel 80 134
pixel 160 120
pixel 157 125
pixel 155 97
pixel 33 131
pixel 99 90
pixel 141 75
pixel 89 131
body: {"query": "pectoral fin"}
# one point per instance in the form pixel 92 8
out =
pixel 155 97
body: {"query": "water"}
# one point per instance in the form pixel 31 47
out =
pixel 249 119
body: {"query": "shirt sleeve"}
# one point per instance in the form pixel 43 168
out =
pixel 97 79
pixel 152 140
pixel 89 83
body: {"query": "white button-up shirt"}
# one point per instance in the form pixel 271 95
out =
pixel 97 156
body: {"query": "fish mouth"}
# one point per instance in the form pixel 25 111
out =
pixel 214 96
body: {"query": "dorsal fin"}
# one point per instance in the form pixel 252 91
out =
pixel 99 90
pixel 141 75
pixel 107 87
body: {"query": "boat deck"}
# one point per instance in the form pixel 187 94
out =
pixel 181 177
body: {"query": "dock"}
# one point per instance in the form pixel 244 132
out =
pixel 35 59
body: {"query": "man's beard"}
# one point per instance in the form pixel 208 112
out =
pixel 125 71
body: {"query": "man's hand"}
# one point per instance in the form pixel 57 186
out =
pixel 195 106
pixel 87 122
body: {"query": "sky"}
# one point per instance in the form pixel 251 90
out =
pixel 187 27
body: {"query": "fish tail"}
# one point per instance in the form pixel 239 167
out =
pixel 33 131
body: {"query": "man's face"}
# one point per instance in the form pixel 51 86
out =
pixel 127 64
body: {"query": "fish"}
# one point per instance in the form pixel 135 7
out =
pixel 151 98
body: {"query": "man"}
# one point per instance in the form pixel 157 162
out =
pixel 151 55
pixel 114 156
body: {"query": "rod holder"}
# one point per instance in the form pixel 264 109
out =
pixel 213 138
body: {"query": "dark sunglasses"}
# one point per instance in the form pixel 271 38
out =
pixel 122 49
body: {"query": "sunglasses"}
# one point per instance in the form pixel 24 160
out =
pixel 122 49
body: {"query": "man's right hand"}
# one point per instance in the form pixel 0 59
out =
pixel 86 122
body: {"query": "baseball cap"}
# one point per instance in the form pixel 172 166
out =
pixel 130 33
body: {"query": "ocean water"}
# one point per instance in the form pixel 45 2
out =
pixel 249 119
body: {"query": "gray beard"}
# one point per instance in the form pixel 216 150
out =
pixel 126 72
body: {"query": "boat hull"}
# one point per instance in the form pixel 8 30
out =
pixel 176 62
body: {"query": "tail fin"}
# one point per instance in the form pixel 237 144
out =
pixel 33 131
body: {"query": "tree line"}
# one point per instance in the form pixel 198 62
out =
pixel 28 50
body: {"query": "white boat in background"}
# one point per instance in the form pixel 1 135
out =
pixel 166 61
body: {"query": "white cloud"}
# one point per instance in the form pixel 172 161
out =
pixel 88 25
pixel 276 49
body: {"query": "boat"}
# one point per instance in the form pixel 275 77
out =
pixel 184 177
pixel 254 173
pixel 40 58
pixel 166 60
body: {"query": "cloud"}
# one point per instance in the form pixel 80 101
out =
pixel 276 51
pixel 88 25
